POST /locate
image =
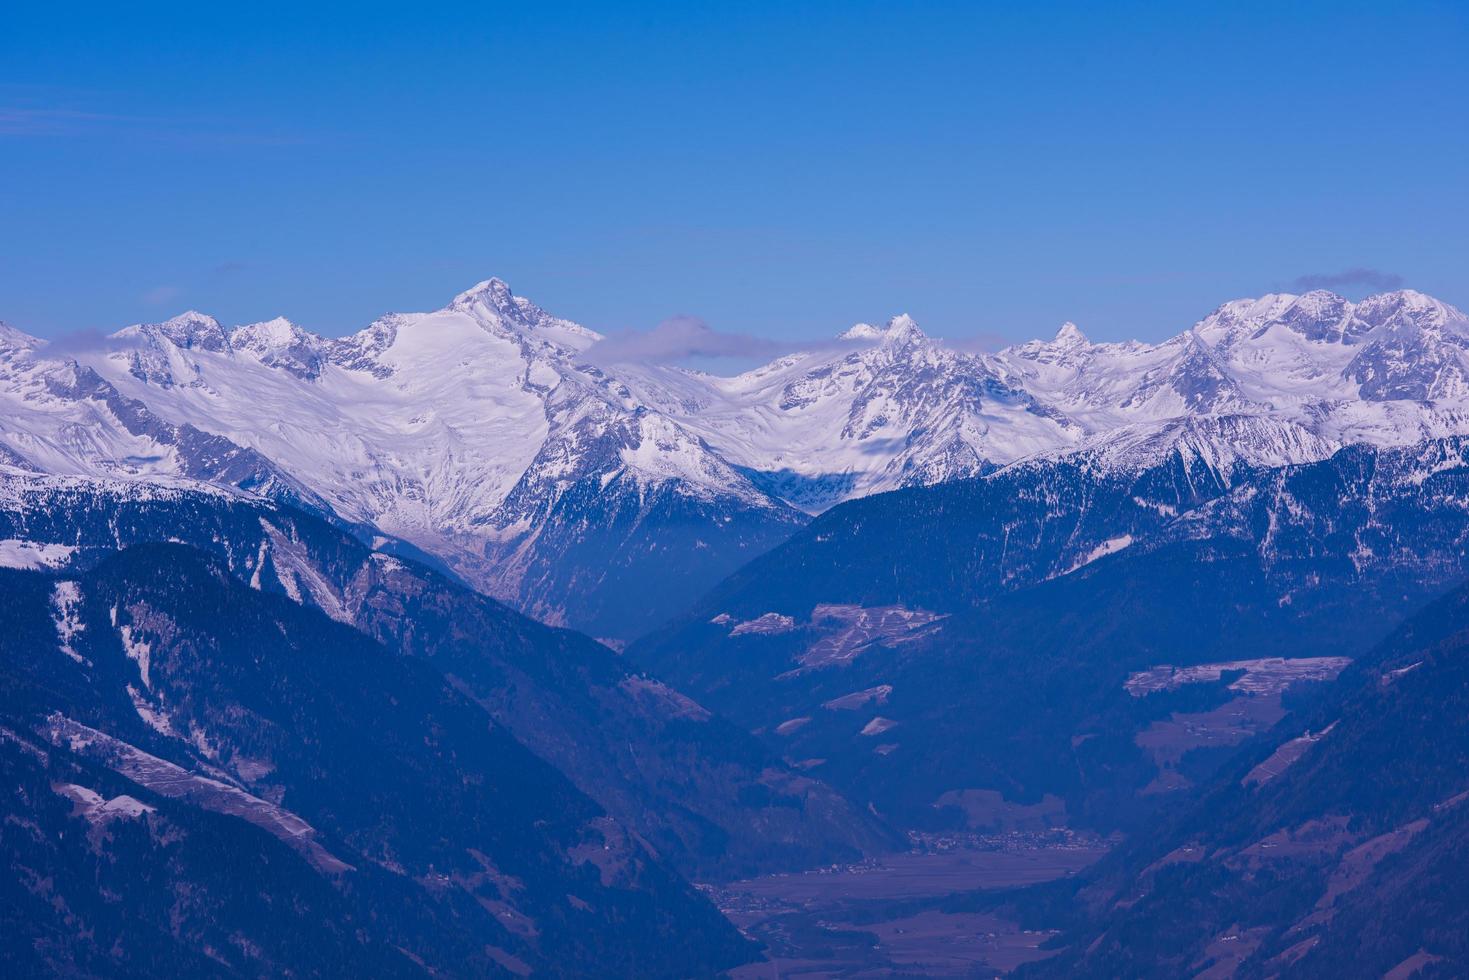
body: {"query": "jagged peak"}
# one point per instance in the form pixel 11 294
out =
pixel 1417 308
pixel 187 323
pixel 284 344
pixel 902 329
pixel 493 292
pixel 1070 335
pixel 899 329
pixel 275 332
pixel 1322 301
pixel 189 329
pixel 493 302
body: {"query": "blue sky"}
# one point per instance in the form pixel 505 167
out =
pixel 781 170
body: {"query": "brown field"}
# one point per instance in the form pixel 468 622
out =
pixel 868 920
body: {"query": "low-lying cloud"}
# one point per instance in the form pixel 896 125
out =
pixel 679 339
pixel 1360 276
pixel 979 343
pixel 80 343
pixel 27 120
pixel 690 341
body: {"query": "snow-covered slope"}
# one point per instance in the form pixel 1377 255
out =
pixel 487 434
pixel 1314 372
pixel 886 407
pixel 477 433
pixel 59 417
pixel 1281 379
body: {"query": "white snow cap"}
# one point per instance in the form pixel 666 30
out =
pixel 14 339
pixel 1070 335
pixel 276 332
pixel 902 328
pixel 493 292
pixel 899 329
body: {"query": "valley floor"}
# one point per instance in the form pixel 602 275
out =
pixel 882 918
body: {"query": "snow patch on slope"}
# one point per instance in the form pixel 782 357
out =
pixel 31 555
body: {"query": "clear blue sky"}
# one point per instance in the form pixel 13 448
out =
pixel 776 169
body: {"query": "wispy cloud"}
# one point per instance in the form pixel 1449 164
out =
pixel 159 295
pixel 1359 276
pixel 690 341
pixel 30 121
pixel 53 113
pixel 979 343
pixel 231 267
pixel 680 339
pixel 80 343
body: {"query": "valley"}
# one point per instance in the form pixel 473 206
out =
pixel 921 693
pixel 757 491
pixel 886 916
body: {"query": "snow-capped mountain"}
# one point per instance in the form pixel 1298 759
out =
pixel 1386 371
pixel 61 417
pixel 488 434
pixel 477 433
pixel 1270 381
pixel 883 408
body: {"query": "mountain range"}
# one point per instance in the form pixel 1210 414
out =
pixel 492 436
pixel 302 626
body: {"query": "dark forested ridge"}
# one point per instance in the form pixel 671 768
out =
pixel 902 689
pixel 378 797
pixel 707 795
pixel 1336 847
pixel 1056 648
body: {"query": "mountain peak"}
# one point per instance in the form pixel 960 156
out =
pixel 493 292
pixel 281 343
pixel 1408 307
pixel 1319 299
pixel 277 330
pixel 493 304
pixel 1070 335
pixel 192 318
pixel 275 334
pixel 902 329
pixel 189 330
